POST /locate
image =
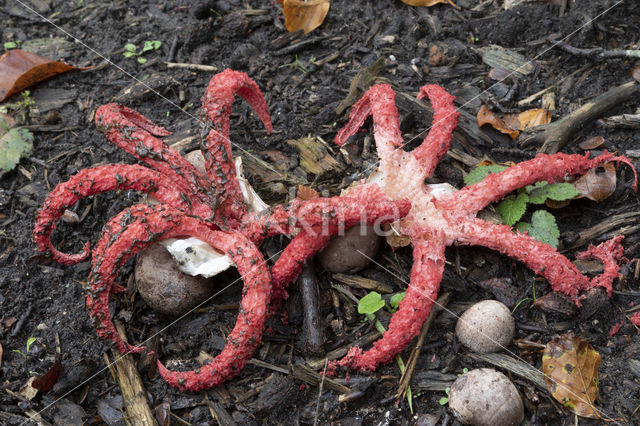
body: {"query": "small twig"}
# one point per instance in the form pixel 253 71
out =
pixel 312 322
pixel 624 223
pixel 172 49
pixel 22 321
pixel 133 392
pixel 405 380
pixel 555 135
pixel 515 366
pixel 198 67
pixel 597 53
pixel 342 351
pixel 324 375
pixel 308 375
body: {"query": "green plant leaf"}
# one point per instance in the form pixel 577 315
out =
pixel 544 228
pixel 141 60
pixel 30 342
pixel 14 144
pixel 444 400
pixel 129 54
pixel 8 45
pixel 370 304
pixel 130 47
pixel 481 172
pixel 523 227
pixel 151 45
pixel 396 299
pixel 512 208
pixel 561 191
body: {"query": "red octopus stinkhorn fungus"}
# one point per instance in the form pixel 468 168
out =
pixel 207 206
pixel 437 220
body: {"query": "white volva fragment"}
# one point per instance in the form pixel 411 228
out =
pixel 195 257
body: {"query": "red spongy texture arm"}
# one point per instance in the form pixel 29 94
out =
pixel 133 132
pixel 445 120
pixel 216 148
pixel 139 226
pixel 550 168
pixel 543 259
pixel 405 324
pixel 113 177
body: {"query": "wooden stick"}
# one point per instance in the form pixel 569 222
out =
pixel 405 380
pixel 554 136
pixel 133 392
pixel 342 351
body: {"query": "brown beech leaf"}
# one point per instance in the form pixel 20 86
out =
pixel 304 15
pixel 45 382
pixel 428 3
pixel 570 366
pixel 598 183
pixel 20 70
pixel 306 193
pixel 591 143
pixel 534 117
pixel 486 116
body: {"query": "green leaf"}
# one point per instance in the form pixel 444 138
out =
pixel 14 144
pixel 371 303
pixel 151 45
pixel 30 342
pixel 544 228
pixel 512 208
pixel 8 45
pixel 142 60
pixel 523 227
pixel 130 47
pixel 562 191
pixel 129 54
pixel 481 172
pixel 396 299
pixel 444 400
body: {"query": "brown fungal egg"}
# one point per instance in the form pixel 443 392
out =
pixel 349 253
pixel 164 287
pixel 486 397
pixel 485 327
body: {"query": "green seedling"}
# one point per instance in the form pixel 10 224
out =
pixel 297 64
pixel 527 298
pixel 445 399
pixel 131 50
pixel 543 226
pixel 30 342
pixel 8 45
pixel 368 306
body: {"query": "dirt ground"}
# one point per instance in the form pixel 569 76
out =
pixel 304 79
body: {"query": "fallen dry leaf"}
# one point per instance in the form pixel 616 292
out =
pixel 591 143
pixel 570 365
pixel 45 382
pixel 428 3
pixel 598 183
pixel 306 193
pixel 304 15
pixel 20 70
pixel 486 116
pixel 512 124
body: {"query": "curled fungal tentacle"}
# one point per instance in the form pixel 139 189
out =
pixel 140 226
pixel 94 181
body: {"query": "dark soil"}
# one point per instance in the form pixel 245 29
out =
pixel 303 84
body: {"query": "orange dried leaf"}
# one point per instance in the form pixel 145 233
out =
pixel 305 193
pixel 534 117
pixel 304 15
pixel 20 70
pixel 394 237
pixel 486 116
pixel 592 142
pixel 570 366
pixel 598 183
pixel 428 3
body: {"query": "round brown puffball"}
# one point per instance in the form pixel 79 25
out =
pixel 485 397
pixel 164 287
pixel 485 327
pixel 342 254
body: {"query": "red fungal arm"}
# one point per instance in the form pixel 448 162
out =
pixel 550 168
pixel 445 120
pixel 380 103
pixel 216 148
pixel 542 258
pixel 140 226
pixel 133 132
pixel 635 319
pixel 94 181
pixel 405 324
